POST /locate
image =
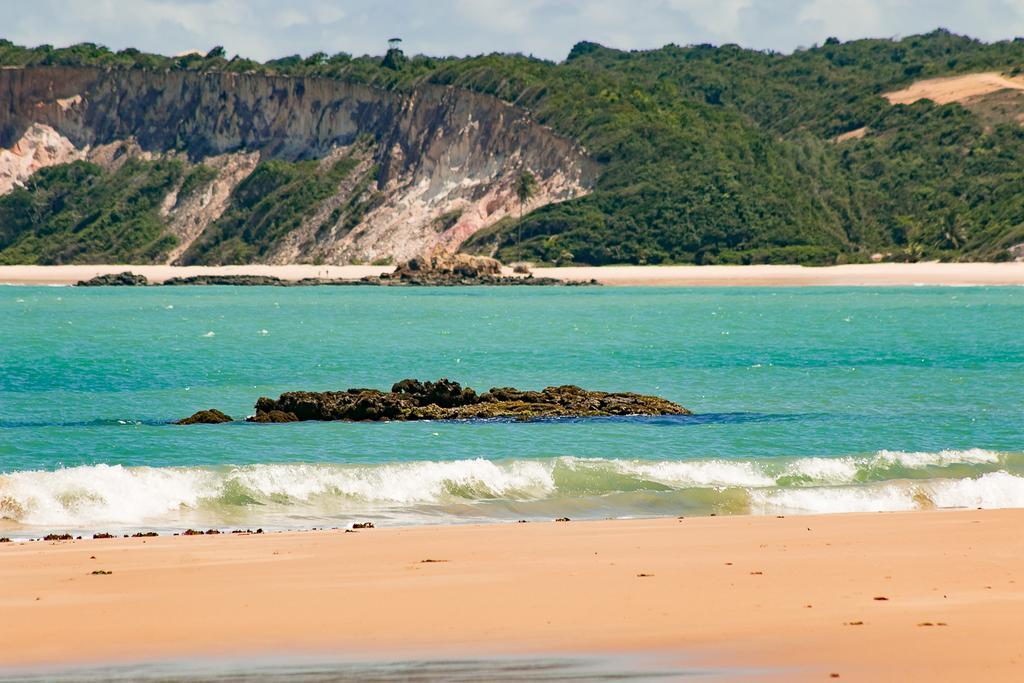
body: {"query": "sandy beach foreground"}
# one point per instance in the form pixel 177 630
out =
pixel 935 596
pixel 875 274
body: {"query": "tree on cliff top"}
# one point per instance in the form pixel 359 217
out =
pixel 394 59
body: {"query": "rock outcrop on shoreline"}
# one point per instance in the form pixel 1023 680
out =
pixel 129 279
pixel 439 270
pixel 411 399
pixel 444 399
pixel 125 279
pixel 448 270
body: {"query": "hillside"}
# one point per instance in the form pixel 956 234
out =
pixel 911 149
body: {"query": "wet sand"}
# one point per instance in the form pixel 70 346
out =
pixel 935 596
pixel 875 274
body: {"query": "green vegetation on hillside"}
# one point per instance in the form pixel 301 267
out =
pixel 266 206
pixel 708 154
pixel 196 177
pixel 77 213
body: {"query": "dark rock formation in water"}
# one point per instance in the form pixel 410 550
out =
pixel 441 270
pixel 126 279
pixel 208 417
pixel 273 415
pixel 239 280
pixel 447 400
pixel 450 270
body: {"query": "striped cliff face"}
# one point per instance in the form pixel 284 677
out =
pixel 424 169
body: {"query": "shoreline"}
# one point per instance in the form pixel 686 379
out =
pixel 874 274
pixel 854 275
pixel 799 597
pixel 69 275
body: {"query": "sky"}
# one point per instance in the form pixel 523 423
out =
pixel 264 29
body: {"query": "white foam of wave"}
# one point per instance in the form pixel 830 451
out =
pixel 821 500
pixel 844 470
pixel 406 483
pixel 992 490
pixel 101 493
pixel 113 494
pixel 918 460
pixel 824 470
pixel 96 494
pixel 697 473
pixel 765 473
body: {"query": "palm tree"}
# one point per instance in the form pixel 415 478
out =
pixel 526 187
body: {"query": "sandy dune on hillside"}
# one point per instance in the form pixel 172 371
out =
pixel 851 135
pixel 955 88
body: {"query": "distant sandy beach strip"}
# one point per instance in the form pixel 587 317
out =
pixel 69 275
pixel 936 595
pixel 876 274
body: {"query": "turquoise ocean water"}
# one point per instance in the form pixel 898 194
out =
pixel 806 400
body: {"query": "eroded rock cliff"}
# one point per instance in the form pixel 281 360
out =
pixel 421 169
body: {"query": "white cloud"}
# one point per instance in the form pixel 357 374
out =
pixel 714 17
pixel 327 12
pixel 844 19
pixel 288 17
pixel 496 15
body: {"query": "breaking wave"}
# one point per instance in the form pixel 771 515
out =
pixel 289 495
